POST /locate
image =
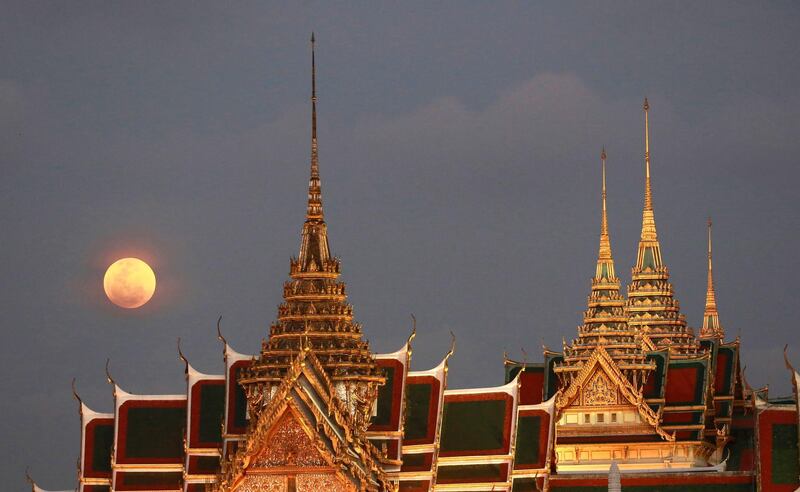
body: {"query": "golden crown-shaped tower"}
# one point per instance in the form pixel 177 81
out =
pixel 605 320
pixel 315 314
pixel 652 308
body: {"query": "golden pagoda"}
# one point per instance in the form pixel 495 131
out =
pixel 601 379
pixel 652 307
pixel 635 400
pixel 312 391
pixel 315 313
pixel 605 322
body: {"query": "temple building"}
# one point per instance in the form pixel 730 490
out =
pixel 636 401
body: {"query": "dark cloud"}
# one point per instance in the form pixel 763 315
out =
pixel 459 145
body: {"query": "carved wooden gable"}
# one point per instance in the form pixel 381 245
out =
pixel 309 482
pixel 304 440
pixel 601 383
pixel 289 445
pixel 292 459
pixel 599 390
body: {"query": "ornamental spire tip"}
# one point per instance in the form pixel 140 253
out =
pixel 183 357
pixel 648 219
pixel 648 194
pixel 711 325
pixel 77 397
pixel 220 337
pixel 604 254
pixel 108 374
pixel 314 211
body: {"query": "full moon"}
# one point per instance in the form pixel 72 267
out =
pixel 129 283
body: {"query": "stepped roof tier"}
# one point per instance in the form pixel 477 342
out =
pixel 605 322
pixel 652 307
pixel 315 312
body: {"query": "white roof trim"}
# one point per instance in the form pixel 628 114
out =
pixel 510 388
pixel 397 355
pixel 194 376
pixel 547 406
pixel 87 414
pixel 36 488
pixel 232 356
pixel 122 396
pixel 437 372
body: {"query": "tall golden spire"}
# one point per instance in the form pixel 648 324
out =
pixel 711 325
pixel 314 250
pixel 605 285
pixel 648 195
pixel 648 218
pixel 652 307
pixel 605 241
pixel 604 321
pixel 314 211
pixel 315 314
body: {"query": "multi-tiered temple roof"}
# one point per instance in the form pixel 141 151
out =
pixel 315 313
pixel 316 410
pixel 653 309
pixel 605 321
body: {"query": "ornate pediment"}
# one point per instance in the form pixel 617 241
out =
pixel 599 391
pixel 289 445
pixel 306 436
pixel 264 483
pixel 600 382
pixel 307 482
pixel 291 459
pixel 314 482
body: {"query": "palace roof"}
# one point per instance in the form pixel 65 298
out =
pixel 315 409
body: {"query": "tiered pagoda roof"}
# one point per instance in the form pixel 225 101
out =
pixel 605 322
pixel 317 410
pixel 315 312
pixel 652 307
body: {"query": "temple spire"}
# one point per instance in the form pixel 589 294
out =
pixel 652 307
pixel 711 325
pixel 605 241
pixel 315 316
pixel 314 211
pixel 648 194
pixel 604 320
pixel 605 260
pixel 648 218
pixel 314 250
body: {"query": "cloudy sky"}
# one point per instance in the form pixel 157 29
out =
pixel 459 151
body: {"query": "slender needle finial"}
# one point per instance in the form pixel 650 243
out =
pixel 710 267
pixel 604 223
pixel 314 211
pixel 648 195
pixel 711 324
pixel 709 238
pixel 710 270
pixel 605 262
pixel 77 397
pixel 108 374
pixel 183 357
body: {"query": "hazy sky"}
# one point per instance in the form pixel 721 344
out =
pixel 459 149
